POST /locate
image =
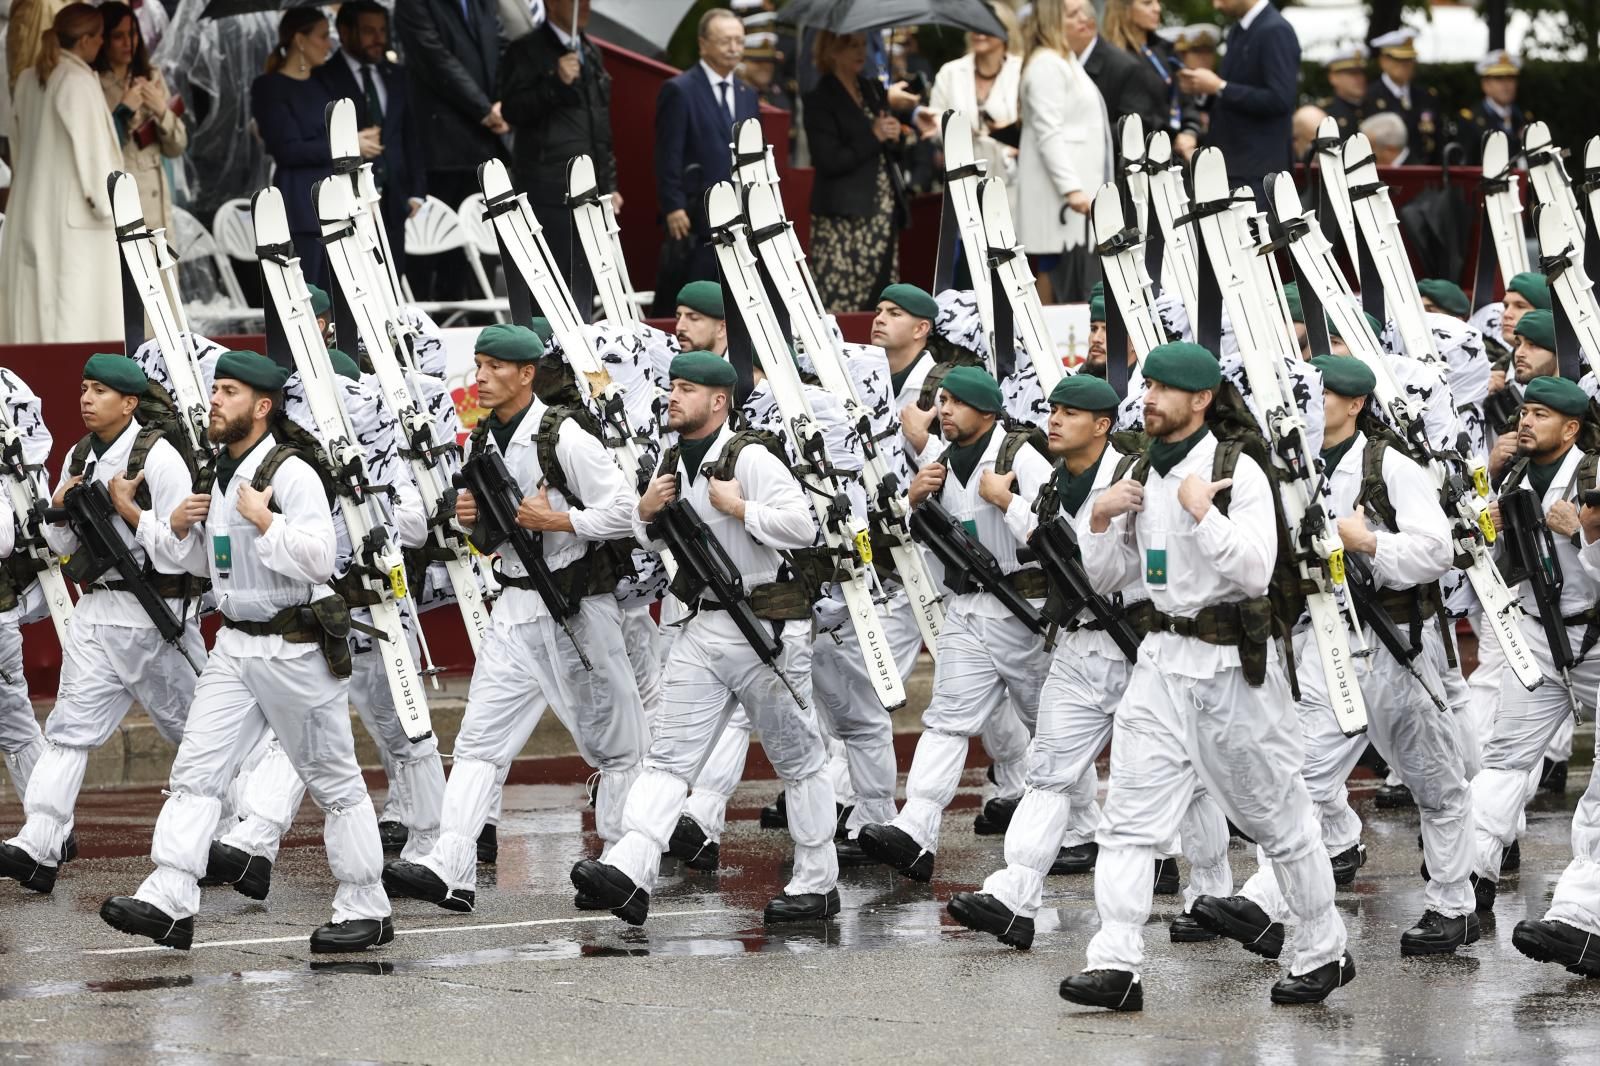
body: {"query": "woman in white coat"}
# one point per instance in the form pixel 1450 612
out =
pixel 1065 153
pixel 985 85
pixel 58 260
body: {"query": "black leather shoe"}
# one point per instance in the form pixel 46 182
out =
pixel 1553 778
pixel 689 843
pixel 393 835
pixel 1316 986
pixel 1079 859
pixel 995 817
pixel 247 874
pixel 775 815
pixel 1347 862
pixel 25 870
pixel 1512 859
pixel 358 934
pixel 1392 797
pixel 1483 890
pixel 489 845
pixel 806 907
pixel 1434 934
pixel 585 902
pixel 412 880
pixel 1112 989
pixel 984 913
pixel 893 846
pixel 850 853
pixel 613 888
pixel 1167 880
pixel 69 847
pixel 1560 943
pixel 1185 930
pixel 1238 918
pixel 138 918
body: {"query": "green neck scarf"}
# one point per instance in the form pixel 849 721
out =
pixel 1073 489
pixel 227 465
pixel 1164 456
pixel 1333 455
pixel 898 378
pixel 693 453
pixel 1540 475
pixel 962 459
pixel 502 432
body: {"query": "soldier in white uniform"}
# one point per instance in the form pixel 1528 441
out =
pixel 712 668
pixel 1208 700
pixel 115 654
pixel 577 502
pixel 21 740
pixel 280 662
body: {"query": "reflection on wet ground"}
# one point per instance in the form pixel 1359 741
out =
pixel 891 978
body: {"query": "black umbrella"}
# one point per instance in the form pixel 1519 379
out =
pixel 221 9
pixel 864 16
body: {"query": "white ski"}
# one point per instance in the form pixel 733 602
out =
pixel 1504 205
pixel 1304 494
pixel 845 536
pixel 597 232
pixel 1466 499
pixel 1547 174
pixel 1121 251
pixel 1569 280
pixel 1008 262
pixel 888 508
pixel 1170 202
pixel 28 503
pixel 1330 171
pixel 963 173
pixel 376 552
pixel 1135 168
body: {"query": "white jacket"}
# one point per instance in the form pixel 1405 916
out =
pixel 1065 146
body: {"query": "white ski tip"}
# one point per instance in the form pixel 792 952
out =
pixel 1130 135
pixel 1328 129
pixel 1591 154
pixel 1536 137
pixel 995 207
pixel 124 192
pixel 1210 175
pixel 334 200
pixel 761 206
pixel 1553 236
pixel 1358 154
pixel 1106 212
pixel 1284 196
pixel 580 175
pixel 344 139
pixel 722 205
pixel 957 139
pixel 266 214
pixel 1495 152
pixel 494 180
pixel 1158 148
pixel 749 137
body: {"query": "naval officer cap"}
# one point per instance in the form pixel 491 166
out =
pixel 1182 365
pixel 1397 44
pixel 509 343
pixel 1539 327
pixel 1351 58
pixel 116 372
pixel 703 368
pixel 252 368
pixel 1499 65
pixel 1082 392
pixel 1535 288
pixel 1558 394
pixel 704 297
pixel 974 386
pixel 912 300
pixel 343 365
pixel 321 303
pixel 1345 375
pixel 1445 294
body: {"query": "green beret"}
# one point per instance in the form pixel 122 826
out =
pixel 912 300
pixel 702 296
pixel 509 343
pixel 1181 365
pixel 1535 288
pixel 1099 290
pixel 542 327
pixel 1291 296
pixel 1539 327
pixel 1345 375
pixel 1097 309
pixel 1447 295
pixel 1083 392
pixel 1372 324
pixel 343 365
pixel 703 368
pixel 1558 394
pixel 116 372
pixel 975 387
pixel 252 368
pixel 320 302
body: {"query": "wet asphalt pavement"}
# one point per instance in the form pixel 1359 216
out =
pixel 528 978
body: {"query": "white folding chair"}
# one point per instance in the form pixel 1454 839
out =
pixel 481 244
pixel 434 230
pixel 233 237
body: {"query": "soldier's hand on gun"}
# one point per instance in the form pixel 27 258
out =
pixel 1494 516
pixel 1589 518
pixel 1504 450
pixel 997 489
pixel 190 512
pixel 928 481
pixel 916 423
pixel 662 491
pixel 1497 380
pixel 1562 518
pixel 466 509
pixel 253 506
pixel 678 224
pixel 61 493
pixel 1195 494
pixel 535 513
pixel 1355 534
pixel 121 489
pixel 728 497
pixel 1119 498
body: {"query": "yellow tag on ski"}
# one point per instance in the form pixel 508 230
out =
pixel 397 582
pixel 1480 480
pixel 1336 566
pixel 864 547
pixel 1486 524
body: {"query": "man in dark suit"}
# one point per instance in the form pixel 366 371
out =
pixel 361 71
pixel 452 50
pixel 1253 95
pixel 1397 90
pixel 1114 71
pixel 695 117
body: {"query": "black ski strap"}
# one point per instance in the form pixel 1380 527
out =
pixel 1208 296
pixel 1116 327
pixel 278 348
pixel 1568 357
pixel 944 267
pixel 781 310
pixel 1286 233
pixel 132 305
pixel 519 299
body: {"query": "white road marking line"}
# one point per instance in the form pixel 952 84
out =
pixel 403 932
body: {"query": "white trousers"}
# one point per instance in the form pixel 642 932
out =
pixel 21 740
pixel 103 670
pixel 1242 744
pixel 520 668
pixel 982 662
pixel 236 700
pixel 713 669
pixel 1577 895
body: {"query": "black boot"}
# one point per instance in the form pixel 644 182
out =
pixel 689 843
pixel 1079 859
pixel 69 848
pixel 1390 797
pixel 138 918
pixel 1347 862
pixel 1434 934
pixel 489 845
pixel 1316 986
pixel 31 874
pixel 984 913
pixel 841 822
pixel 613 888
pixel 1185 930
pixel 1167 880
pixel 249 875
pixel 585 902
pixel 775 815
pixel 850 853
pixel 1553 778
pixel 1560 943
pixel 894 847
pixel 1512 859
pixel 995 817
pixel 1116 990
pixel 1483 891
pixel 412 880
pixel 358 934
pixel 393 835
pixel 1239 918
pixel 806 907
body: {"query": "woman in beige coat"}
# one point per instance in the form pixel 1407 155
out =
pixel 59 279
pixel 148 124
